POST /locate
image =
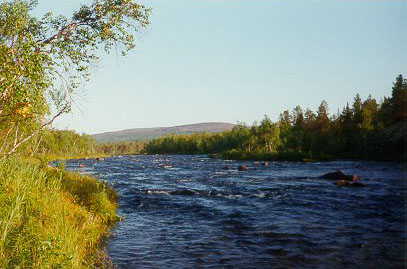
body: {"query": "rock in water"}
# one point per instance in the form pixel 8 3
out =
pixel 355 178
pixel 242 168
pixel 183 192
pixel 342 183
pixel 338 175
pixel 357 184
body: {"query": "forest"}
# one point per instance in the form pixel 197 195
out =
pixel 365 129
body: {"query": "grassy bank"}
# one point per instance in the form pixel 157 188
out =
pixel 52 218
pixel 44 158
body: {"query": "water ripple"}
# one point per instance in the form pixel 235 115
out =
pixel 188 211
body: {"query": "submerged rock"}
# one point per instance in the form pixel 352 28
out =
pixel 338 175
pixel 357 184
pixel 183 192
pixel 342 183
pixel 226 167
pixel 242 168
pixel 355 178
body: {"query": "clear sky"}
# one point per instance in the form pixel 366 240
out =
pixel 235 60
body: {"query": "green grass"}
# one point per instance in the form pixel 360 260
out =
pixel 52 218
pixel 45 158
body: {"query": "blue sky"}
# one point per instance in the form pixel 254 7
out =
pixel 234 60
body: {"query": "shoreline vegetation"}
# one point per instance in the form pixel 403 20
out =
pixel 51 217
pixel 365 130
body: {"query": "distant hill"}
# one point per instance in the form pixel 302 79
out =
pixel 151 133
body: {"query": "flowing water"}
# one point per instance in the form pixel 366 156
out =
pixel 189 211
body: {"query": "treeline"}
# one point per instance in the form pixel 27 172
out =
pixel 70 143
pixel 366 129
pixel 62 143
pixel 119 148
pixel 56 142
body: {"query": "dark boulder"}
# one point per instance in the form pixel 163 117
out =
pixel 242 168
pixel 338 175
pixel 100 159
pixel 183 192
pixel 342 183
pixel 355 178
pixel 357 184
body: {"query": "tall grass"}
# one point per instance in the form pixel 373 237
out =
pixel 52 218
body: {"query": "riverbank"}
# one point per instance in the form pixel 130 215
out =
pixel 52 218
pixel 280 156
pixel 298 157
pixel 42 159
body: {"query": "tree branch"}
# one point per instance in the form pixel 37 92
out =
pixel 60 33
pixel 35 132
pixel 65 29
pixel 36 146
pixel 5 139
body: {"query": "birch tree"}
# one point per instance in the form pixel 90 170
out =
pixel 43 61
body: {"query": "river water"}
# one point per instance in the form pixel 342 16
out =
pixel 188 211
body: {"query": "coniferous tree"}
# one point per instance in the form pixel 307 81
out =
pixel 398 100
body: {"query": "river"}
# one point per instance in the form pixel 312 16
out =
pixel 188 211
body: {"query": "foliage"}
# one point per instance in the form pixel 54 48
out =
pixel 64 143
pixel 51 218
pixel 119 148
pixel 364 130
pixel 67 143
pixel 44 61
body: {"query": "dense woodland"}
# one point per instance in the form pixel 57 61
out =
pixel 119 148
pixel 365 129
